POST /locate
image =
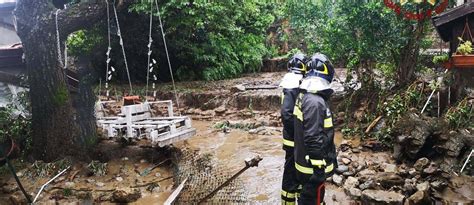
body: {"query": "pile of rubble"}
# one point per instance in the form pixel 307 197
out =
pixel 376 178
pixel 421 136
pixel 423 168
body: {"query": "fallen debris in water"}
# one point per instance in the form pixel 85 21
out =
pixel 248 163
pixel 97 168
pixel 122 196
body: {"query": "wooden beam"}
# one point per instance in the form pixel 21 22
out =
pixel 175 193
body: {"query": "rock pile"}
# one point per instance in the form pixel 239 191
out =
pixel 418 136
pixel 375 178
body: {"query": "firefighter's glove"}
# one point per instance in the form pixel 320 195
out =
pixel 319 166
pixel 318 176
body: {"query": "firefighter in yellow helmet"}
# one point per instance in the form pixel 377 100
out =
pixel 315 151
pixel 290 84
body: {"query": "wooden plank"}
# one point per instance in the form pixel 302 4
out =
pixel 168 118
pixel 172 138
pixel 262 87
pixel 175 193
pixel 453 14
pixel 149 126
pixel 159 122
pixel 109 118
pixel 445 22
pixel 112 121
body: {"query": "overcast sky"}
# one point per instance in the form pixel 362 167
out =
pixel 3 1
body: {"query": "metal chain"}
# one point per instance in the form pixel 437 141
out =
pixel 123 49
pixel 167 56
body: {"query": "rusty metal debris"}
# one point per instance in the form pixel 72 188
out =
pixel 12 169
pixel 248 163
pixel 149 169
pixel 6 149
pixel 204 176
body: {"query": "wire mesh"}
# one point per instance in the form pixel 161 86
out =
pixel 203 178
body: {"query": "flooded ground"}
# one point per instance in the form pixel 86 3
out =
pixel 263 183
pixel 227 150
pixel 231 150
pixel 254 129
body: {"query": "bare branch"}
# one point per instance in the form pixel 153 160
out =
pixel 80 16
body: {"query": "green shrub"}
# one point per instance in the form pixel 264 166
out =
pixel 214 40
pixel 440 59
pixel 16 126
pixel 465 47
pixel 461 115
pixel 83 42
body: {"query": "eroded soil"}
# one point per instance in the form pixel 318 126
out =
pixel 229 133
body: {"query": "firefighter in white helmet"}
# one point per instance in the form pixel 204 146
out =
pixel 290 84
pixel 315 151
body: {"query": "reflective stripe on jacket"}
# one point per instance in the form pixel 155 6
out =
pixel 287 118
pixel 314 136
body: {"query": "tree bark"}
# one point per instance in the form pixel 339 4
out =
pixel 53 126
pixel 286 30
pixel 56 131
pixel 409 56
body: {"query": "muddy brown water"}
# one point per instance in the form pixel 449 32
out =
pixel 231 149
pixel 263 183
pixel 228 150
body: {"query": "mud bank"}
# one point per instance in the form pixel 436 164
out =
pixel 255 91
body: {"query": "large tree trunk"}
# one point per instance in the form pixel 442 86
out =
pixel 56 131
pixel 84 102
pixel 53 127
pixel 409 56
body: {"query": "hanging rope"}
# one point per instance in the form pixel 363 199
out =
pixel 150 40
pixel 60 59
pixel 65 56
pixel 108 75
pixel 58 42
pixel 123 49
pixel 167 56
pixel 466 28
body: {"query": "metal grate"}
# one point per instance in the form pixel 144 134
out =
pixel 203 178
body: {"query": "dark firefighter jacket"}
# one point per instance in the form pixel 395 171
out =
pixel 288 103
pixel 314 134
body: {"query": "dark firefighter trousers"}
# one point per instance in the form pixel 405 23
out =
pixel 312 194
pixel 289 184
